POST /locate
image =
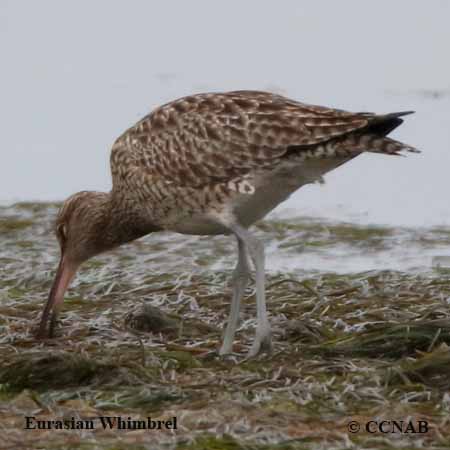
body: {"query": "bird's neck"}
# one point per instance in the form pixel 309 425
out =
pixel 124 222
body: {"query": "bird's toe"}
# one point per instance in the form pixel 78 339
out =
pixel 217 355
pixel 261 344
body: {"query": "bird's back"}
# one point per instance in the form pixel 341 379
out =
pixel 243 151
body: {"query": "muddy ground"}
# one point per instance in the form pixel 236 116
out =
pixel 349 346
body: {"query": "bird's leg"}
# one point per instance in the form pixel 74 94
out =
pixel 239 280
pixel 263 341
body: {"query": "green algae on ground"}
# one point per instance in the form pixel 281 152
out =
pixel 309 230
pixel 210 442
pixel 44 370
pixel 429 369
pixel 140 398
pixel 36 206
pixel 358 344
pixel 390 340
pixel 12 224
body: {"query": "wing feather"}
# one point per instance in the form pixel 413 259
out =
pixel 211 138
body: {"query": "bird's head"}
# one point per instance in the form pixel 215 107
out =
pixel 81 231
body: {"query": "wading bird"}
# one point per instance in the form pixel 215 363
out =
pixel 211 164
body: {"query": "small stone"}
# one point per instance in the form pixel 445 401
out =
pixel 147 318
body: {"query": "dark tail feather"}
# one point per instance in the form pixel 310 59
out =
pixel 382 125
pixel 373 137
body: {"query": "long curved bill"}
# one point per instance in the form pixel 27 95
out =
pixel 64 276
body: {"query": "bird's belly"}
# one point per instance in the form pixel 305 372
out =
pixel 275 187
pixel 200 224
pixel 271 189
pixel 248 209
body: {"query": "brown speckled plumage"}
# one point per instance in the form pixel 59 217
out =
pixel 215 163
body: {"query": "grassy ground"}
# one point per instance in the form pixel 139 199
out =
pixel 358 347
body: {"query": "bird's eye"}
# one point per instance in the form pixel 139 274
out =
pixel 62 232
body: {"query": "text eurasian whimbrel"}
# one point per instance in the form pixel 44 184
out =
pixel 212 164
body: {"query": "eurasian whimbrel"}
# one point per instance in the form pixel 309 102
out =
pixel 212 164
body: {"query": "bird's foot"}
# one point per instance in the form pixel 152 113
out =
pixel 262 342
pixel 217 355
pixel 45 332
pixel 53 326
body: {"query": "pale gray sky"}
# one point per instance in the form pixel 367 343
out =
pixel 75 74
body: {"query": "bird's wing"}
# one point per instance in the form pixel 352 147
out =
pixel 210 138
